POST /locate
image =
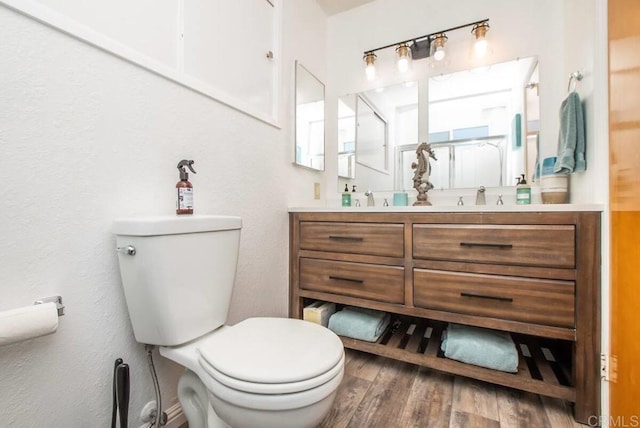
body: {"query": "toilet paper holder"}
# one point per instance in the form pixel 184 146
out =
pixel 55 299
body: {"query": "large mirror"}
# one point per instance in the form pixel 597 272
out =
pixel 481 123
pixel 309 123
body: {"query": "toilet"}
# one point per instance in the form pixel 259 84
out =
pixel 178 274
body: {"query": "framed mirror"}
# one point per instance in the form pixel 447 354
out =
pixel 479 122
pixel 309 119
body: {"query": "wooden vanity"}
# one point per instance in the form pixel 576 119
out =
pixel 535 274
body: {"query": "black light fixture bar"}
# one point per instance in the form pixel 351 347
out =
pixel 428 36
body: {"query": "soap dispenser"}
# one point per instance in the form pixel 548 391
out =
pixel 346 196
pixel 523 191
pixel 184 202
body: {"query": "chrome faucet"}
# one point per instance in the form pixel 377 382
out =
pixel 480 197
pixel 370 201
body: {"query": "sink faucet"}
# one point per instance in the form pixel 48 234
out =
pixel 370 201
pixel 480 197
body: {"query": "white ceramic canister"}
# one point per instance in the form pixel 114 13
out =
pixel 554 188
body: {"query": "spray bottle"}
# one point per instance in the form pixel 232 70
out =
pixel 184 203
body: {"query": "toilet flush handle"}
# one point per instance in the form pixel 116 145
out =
pixel 129 250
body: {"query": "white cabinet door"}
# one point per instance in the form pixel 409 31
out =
pixel 226 45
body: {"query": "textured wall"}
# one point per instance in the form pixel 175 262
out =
pixel 87 137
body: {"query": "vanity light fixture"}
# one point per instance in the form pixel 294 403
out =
pixel 370 59
pixel 439 41
pixel 403 57
pixel 481 45
pixel 425 46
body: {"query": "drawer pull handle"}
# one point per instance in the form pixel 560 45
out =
pixel 482 244
pixel 482 296
pixel 341 278
pixel 346 238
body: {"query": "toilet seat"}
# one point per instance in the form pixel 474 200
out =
pixel 272 356
pixel 272 388
pixel 272 402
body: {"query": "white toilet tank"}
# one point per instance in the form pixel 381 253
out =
pixel 179 282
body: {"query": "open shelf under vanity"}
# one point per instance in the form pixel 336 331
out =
pixel 543 368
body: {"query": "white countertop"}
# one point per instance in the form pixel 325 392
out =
pixel 455 208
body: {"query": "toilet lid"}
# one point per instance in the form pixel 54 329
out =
pixel 273 351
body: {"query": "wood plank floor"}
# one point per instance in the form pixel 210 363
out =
pixel 378 392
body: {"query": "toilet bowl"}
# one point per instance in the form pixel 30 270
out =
pixel 178 274
pixel 260 373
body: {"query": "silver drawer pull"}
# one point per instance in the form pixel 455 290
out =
pixel 483 244
pixel 346 238
pixel 484 296
pixel 341 278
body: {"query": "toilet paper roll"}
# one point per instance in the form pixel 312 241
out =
pixel 26 323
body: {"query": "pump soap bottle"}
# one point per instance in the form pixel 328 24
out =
pixel 184 203
pixel 523 191
pixel 346 196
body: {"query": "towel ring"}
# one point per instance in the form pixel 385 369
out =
pixel 574 78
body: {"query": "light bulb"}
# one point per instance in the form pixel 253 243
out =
pixel 370 71
pixel 438 46
pixel 403 65
pixel 403 57
pixel 480 47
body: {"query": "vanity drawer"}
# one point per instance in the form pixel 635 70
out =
pixel 520 299
pixel 527 245
pixel 375 239
pixel 374 282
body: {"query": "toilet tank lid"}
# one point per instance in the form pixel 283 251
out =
pixel 173 225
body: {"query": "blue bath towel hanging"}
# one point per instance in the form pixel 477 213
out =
pixel 571 140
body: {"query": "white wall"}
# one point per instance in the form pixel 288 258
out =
pixel 518 29
pixel 87 137
pixel 586 51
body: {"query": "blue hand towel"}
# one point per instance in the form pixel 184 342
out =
pixel 571 140
pixel 481 347
pixel 358 323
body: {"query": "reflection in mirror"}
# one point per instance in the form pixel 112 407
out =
pixel 373 138
pixel 387 123
pixel 477 122
pixel 532 114
pixel 309 123
pixel 347 136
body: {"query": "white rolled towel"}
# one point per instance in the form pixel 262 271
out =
pixel 17 325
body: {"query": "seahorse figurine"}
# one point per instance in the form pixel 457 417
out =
pixel 421 184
